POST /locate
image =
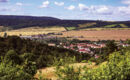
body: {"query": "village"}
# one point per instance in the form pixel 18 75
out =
pixel 81 47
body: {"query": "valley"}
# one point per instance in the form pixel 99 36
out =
pixel 47 48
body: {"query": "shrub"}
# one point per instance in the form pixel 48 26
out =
pixel 8 71
pixel 11 55
pixel 68 73
pixel 117 68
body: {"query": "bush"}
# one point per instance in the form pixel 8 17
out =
pixel 68 73
pixel 11 55
pixel 117 68
pixel 9 71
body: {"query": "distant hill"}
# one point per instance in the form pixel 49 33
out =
pixel 27 17
pixel 17 22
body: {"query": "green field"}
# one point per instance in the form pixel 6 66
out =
pixel 106 27
pixel 123 26
pixel 110 26
pixel 114 25
pixel 70 28
pixel 98 29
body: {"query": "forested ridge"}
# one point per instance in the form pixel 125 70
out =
pixel 16 22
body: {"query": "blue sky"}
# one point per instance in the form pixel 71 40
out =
pixel 69 9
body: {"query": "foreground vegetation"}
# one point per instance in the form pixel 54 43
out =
pixel 117 68
pixel 13 71
pixel 20 60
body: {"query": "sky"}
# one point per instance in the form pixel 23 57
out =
pixel 110 10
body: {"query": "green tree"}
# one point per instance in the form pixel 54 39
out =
pixel 11 55
pixel 5 35
pixel 29 67
pixel 10 71
pixel 111 46
pixel 28 56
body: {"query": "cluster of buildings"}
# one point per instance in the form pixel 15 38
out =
pixel 124 45
pixel 80 47
pixel 84 47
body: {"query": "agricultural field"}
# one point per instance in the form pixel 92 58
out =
pixel 110 26
pixel 33 31
pixel 123 25
pixel 87 25
pixel 115 25
pixel 70 28
pixel 91 26
pixel 2 28
pixel 98 34
pixel 97 29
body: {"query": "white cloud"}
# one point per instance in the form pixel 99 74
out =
pixel 71 7
pixel 126 2
pixel 124 9
pixel 102 9
pixel 19 4
pixel 82 6
pixel 45 4
pixel 9 8
pixel 105 12
pixel 59 3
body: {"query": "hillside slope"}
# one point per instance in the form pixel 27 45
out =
pixel 16 22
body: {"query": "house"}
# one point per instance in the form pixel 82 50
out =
pixel 90 45
pixel 51 44
pixel 96 56
pixel 87 49
pixel 81 45
pixel 82 51
pixel 94 46
pixel 67 47
pixel 102 45
pixel 124 45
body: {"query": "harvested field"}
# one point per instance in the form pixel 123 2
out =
pixel 33 31
pixel 96 29
pixel 98 34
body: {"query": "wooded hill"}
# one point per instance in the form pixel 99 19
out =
pixel 40 53
pixel 16 22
